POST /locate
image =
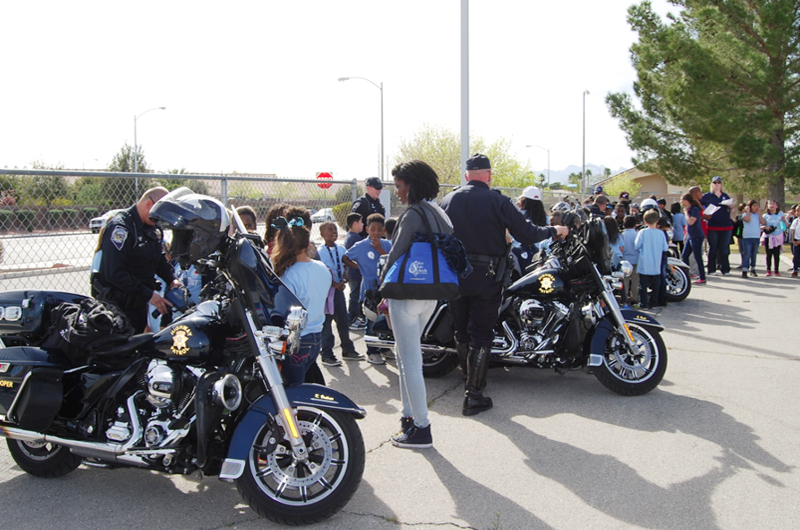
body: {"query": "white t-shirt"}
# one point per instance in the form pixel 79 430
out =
pixel 795 229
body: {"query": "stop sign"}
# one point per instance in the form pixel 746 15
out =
pixel 323 177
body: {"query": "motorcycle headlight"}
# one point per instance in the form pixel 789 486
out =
pixel 297 318
pixel 626 267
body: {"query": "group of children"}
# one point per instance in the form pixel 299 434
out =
pixel 646 249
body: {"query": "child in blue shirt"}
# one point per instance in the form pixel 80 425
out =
pixel 651 245
pixel 310 282
pixel 365 255
pixel 332 254
pixel 630 284
pixel 355 315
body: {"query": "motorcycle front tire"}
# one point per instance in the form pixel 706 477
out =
pixel 288 492
pixel 633 373
pixel 679 284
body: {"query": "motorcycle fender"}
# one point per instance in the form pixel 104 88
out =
pixel 259 413
pixel 605 327
pixel 675 262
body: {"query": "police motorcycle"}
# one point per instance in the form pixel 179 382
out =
pixel 204 393
pixel 679 283
pixel 563 316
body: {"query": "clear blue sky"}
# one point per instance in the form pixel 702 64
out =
pixel 252 86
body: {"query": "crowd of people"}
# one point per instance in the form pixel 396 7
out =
pixel 131 255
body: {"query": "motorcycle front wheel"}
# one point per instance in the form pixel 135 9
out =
pixel 678 283
pixel 287 491
pixel 636 372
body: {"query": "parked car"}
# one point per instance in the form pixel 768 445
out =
pixel 326 214
pixel 99 222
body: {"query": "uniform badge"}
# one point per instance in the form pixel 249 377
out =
pixel 118 236
pixel 371 255
pixel 180 336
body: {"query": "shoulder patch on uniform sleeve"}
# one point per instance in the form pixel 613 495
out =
pixel 356 206
pixel 118 236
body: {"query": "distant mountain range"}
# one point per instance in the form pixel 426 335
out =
pixel 562 175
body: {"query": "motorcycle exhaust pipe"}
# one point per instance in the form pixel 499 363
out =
pixel 375 342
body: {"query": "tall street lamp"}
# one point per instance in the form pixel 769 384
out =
pixel 379 87
pixel 583 173
pixel 136 145
pixel 548 160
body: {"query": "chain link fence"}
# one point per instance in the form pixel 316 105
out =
pixel 49 219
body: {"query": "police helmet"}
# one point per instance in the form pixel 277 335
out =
pixel 199 224
pixel 648 204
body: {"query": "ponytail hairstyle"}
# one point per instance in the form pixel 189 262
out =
pixel 293 232
pixel 691 200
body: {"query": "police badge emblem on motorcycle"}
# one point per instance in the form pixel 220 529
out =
pixel 180 336
pixel 546 282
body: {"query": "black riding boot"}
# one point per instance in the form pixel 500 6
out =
pixel 477 367
pixel 463 351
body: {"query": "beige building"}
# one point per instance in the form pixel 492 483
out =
pixel 651 184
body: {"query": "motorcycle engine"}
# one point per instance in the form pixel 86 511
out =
pixel 539 322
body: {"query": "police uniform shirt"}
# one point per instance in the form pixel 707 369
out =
pixel 480 217
pixel 366 206
pixel 132 256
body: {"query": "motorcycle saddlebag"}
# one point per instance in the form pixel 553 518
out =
pixel 440 325
pixel 31 387
pixel 26 313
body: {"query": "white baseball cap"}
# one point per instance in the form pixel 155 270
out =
pixel 532 192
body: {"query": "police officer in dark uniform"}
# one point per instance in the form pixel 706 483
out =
pixel 132 255
pixel 480 218
pixel 368 203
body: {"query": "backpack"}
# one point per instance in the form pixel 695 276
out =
pixel 79 330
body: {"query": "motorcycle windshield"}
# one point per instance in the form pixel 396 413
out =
pixel 262 290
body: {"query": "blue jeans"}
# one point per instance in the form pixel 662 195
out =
pixel 294 367
pixel 719 248
pixel 408 319
pixel 695 246
pixel 749 253
pixel 342 326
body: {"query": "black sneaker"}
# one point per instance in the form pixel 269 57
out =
pixel 414 438
pixel 744 274
pixel 352 356
pixel 332 361
pixel 753 274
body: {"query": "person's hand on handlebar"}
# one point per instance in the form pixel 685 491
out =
pixel 562 231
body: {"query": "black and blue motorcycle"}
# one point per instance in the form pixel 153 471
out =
pixel 204 393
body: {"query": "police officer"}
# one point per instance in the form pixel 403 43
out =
pixel 480 218
pixel 368 203
pixel 131 257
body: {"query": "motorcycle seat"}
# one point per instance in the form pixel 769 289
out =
pixel 133 342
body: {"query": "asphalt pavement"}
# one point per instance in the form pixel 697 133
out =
pixel 714 446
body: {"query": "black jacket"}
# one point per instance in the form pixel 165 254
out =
pixel 481 216
pixel 132 257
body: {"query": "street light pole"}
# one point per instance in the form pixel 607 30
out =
pixel 583 173
pixel 548 160
pixel 136 145
pixel 379 87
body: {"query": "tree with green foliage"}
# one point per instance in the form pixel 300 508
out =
pixel 620 183
pixel 441 148
pixel 718 92
pixel 45 190
pixel 121 191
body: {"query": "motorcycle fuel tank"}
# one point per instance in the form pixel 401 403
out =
pixel 187 338
pixel 541 283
